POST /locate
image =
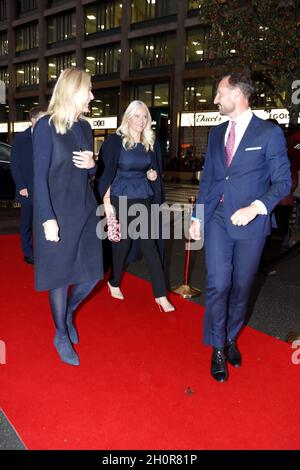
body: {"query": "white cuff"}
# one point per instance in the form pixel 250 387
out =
pixel 262 210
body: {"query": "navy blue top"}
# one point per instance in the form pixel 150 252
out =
pixel 44 148
pixel 131 178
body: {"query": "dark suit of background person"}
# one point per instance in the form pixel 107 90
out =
pixel 22 171
pixel 109 158
pixel 257 179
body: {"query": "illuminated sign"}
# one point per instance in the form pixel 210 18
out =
pixel 213 118
pixel 103 122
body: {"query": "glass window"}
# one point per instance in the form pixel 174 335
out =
pixel 152 94
pixel 4 76
pixel 142 10
pixel 23 106
pixel 27 74
pixel 103 60
pixel 3 44
pixel 198 95
pixel 152 51
pixel 61 27
pixel 100 17
pixel 195 46
pixel 23 6
pixel 195 4
pixel 265 97
pixel 3 10
pixel 58 63
pixel 26 37
pixel 106 102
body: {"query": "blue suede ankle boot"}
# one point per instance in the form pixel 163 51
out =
pixel 73 335
pixel 65 349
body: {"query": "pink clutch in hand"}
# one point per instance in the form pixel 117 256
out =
pixel 113 229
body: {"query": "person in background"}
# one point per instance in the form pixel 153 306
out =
pixel 132 169
pixel 246 173
pixel 22 172
pixel 67 249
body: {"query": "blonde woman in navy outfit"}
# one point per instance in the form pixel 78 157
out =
pixel 132 170
pixel 67 250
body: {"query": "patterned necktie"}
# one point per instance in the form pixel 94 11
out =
pixel 230 144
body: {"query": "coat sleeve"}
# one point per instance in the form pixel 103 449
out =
pixel 206 177
pixel 16 154
pixel 108 162
pixel 279 167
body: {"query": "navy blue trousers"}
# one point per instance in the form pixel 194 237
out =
pixel 26 229
pixel 231 266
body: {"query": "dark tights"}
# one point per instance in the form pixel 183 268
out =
pixel 60 303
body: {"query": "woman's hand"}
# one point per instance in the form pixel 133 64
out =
pixel 51 230
pixel 84 159
pixel 151 174
pixel 108 207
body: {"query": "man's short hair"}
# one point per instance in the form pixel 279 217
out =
pixel 241 81
pixel 34 112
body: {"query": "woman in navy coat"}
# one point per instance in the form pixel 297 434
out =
pixel 131 176
pixel 67 249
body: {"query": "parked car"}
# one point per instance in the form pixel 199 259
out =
pixel 7 185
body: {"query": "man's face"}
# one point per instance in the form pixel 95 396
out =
pixel 225 98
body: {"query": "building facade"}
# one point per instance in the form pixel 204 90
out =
pixel 153 50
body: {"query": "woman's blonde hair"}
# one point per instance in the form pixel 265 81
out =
pixel 68 98
pixel 147 137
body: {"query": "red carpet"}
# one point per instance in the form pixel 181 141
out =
pixel 137 366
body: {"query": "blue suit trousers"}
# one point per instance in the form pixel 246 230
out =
pixel 231 266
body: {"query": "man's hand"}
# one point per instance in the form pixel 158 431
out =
pixel 195 230
pixel 243 216
pixel 84 160
pixel 51 230
pixel 24 192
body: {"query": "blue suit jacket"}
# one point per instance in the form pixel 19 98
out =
pixel 22 164
pixel 259 170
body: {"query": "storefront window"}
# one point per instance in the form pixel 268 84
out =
pixel 61 28
pixel 27 37
pixel 143 10
pixel 103 16
pixel 198 95
pixel 27 74
pixel 153 95
pixel 265 98
pixel 23 106
pixel 58 63
pixel 105 103
pixel 103 60
pixel 152 51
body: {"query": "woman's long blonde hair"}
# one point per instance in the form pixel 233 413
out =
pixel 147 136
pixel 66 100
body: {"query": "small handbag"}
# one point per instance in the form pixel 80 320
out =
pixel 113 229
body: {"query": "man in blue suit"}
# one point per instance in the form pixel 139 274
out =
pixel 22 171
pixel 246 173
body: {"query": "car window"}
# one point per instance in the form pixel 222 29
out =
pixel 5 152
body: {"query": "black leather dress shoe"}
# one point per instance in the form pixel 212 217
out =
pixel 233 354
pixel 29 259
pixel 218 365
